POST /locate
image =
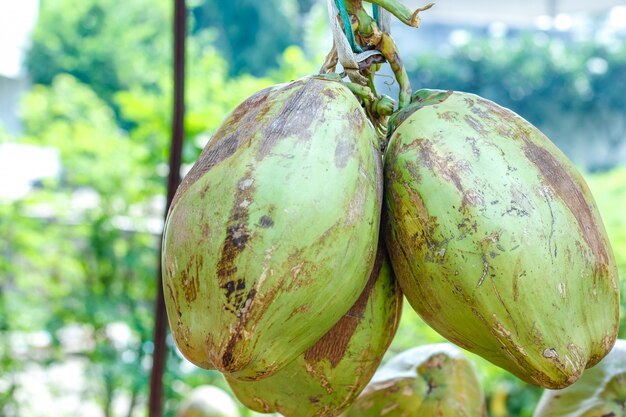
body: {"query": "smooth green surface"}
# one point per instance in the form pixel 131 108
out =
pixel 325 379
pixel 272 235
pixel 427 381
pixel 496 240
pixel 600 392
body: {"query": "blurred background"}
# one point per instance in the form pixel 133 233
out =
pixel 85 103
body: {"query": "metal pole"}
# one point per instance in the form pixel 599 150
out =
pixel 155 403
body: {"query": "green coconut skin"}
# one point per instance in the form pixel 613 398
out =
pixel 600 392
pixel 428 381
pixel 328 376
pixel 272 235
pixel 496 240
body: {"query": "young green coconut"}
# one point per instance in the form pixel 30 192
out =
pixel 600 392
pixel 496 240
pixel 272 235
pixel 327 377
pixel 427 381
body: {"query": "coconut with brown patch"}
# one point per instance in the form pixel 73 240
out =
pixel 328 376
pixel 496 240
pixel 427 381
pixel 271 237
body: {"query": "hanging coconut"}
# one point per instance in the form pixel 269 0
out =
pixel 272 235
pixel 496 240
pixel 328 376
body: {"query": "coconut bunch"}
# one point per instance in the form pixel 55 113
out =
pixel 316 204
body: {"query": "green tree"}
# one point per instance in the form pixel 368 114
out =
pixel 106 44
pixel 250 34
pixel 569 90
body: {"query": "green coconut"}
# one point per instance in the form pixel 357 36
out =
pixel 427 381
pixel 328 376
pixel 496 240
pixel 208 401
pixel 600 392
pixel 272 235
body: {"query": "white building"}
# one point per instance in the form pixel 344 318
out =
pixel 17 20
pixel 20 165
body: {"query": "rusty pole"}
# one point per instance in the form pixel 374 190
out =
pixel 155 403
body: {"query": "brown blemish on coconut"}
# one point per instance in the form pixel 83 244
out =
pixel 329 93
pixel 204 190
pixel 344 150
pixel 237 236
pixel 482 114
pixel 448 115
pixel 515 353
pixel 265 407
pixel 449 169
pixel 413 171
pixel 356 121
pixel 468 102
pixel 562 183
pixel 303 309
pixel 233 356
pixel 484 273
pixel 333 345
pixel 516 277
pixel 190 277
pixel 602 348
pixel 228 356
pixel 426 226
pixel 299 111
pixel 356 205
pixel 439 165
pixel 473 144
pixel 475 124
pixel 502 113
pixel 239 127
pixel 266 222
pixel 505 306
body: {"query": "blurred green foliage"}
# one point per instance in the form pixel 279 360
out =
pixel 81 249
pixel 105 44
pixel 251 34
pixel 533 74
pixel 570 90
